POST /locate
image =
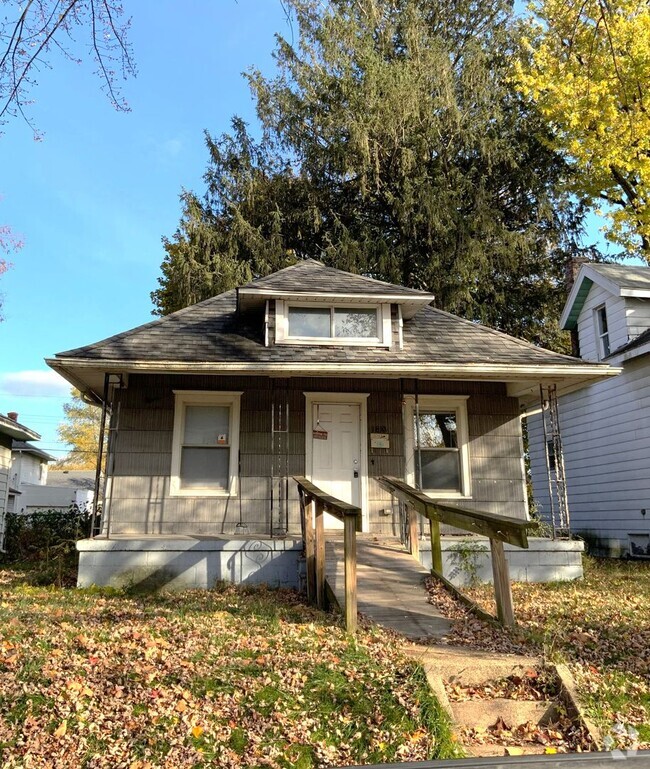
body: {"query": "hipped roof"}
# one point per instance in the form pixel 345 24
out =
pixel 214 337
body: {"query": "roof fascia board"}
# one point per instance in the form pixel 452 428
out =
pixel 502 372
pixel 637 293
pixel 277 294
pixel 17 431
pixel 635 352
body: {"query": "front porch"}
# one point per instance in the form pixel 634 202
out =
pixel 181 562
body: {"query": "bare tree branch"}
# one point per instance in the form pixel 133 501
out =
pixel 43 26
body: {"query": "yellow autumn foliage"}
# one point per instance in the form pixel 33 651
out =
pixel 587 66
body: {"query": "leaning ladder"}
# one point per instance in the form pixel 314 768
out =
pixel 554 455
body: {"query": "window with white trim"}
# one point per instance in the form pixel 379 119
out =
pixel 437 445
pixel 302 323
pixel 602 331
pixel 205 449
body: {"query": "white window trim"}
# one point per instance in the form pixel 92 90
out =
pixel 600 335
pixel 429 402
pixel 311 399
pixel 202 398
pixel 384 325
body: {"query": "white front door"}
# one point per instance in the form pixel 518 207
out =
pixel 336 453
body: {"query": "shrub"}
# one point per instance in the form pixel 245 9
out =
pixel 47 537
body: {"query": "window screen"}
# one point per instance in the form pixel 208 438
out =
pixel 436 442
pixel 205 451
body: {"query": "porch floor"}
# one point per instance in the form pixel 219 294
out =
pixel 390 589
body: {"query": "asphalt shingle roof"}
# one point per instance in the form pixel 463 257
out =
pixel 212 331
pixel 311 276
pixel 625 276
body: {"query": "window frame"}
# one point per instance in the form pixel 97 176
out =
pixel 428 403
pixel 602 336
pixel 384 324
pixel 184 398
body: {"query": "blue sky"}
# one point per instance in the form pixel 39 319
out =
pixel 93 199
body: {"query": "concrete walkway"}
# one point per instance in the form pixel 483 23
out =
pixel 390 586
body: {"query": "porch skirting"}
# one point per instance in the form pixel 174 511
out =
pixel 184 562
pixel 465 559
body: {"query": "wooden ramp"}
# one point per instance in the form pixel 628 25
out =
pixel 390 586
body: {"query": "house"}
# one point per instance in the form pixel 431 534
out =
pixel 605 427
pixel 63 489
pixel 10 431
pixel 29 466
pixel 309 371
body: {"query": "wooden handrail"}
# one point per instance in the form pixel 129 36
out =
pixel 314 537
pixel 499 529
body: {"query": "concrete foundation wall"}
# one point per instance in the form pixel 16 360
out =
pixel 467 558
pixel 185 563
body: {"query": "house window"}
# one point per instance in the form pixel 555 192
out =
pixel 602 332
pixel 437 445
pixel 205 448
pixel 333 325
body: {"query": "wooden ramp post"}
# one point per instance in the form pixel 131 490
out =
pixel 314 539
pixel 502 589
pixel 320 555
pixel 350 550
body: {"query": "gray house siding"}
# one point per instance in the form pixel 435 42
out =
pixel 138 497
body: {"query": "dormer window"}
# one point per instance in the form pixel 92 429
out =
pixel 333 322
pixel 602 332
pixel 302 323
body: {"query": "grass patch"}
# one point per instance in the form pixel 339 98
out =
pixel 222 677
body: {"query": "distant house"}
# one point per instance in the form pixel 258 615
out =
pixel 310 372
pixel 606 427
pixel 29 466
pixel 10 431
pixel 63 489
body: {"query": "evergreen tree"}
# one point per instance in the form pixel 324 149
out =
pixel 393 144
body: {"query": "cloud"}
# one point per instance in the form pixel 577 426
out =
pixel 34 383
pixel 170 148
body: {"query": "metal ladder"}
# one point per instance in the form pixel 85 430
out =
pixel 555 471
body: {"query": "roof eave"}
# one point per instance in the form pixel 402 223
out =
pixel 17 431
pixel 74 368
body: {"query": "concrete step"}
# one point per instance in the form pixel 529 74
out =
pixel 482 714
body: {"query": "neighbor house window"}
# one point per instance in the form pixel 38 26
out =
pixel 602 332
pixel 334 325
pixel 205 443
pixel 437 445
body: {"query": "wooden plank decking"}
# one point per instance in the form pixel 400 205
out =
pixel 390 586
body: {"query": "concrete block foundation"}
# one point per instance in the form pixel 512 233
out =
pixel 184 562
pixel 467 559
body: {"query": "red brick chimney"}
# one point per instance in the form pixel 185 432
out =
pixel 13 415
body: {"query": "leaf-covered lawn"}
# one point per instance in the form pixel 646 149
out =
pixel 599 625
pixel 221 678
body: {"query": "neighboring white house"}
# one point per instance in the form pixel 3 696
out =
pixel 33 486
pixel 10 431
pixel 605 427
pixel 63 489
pixel 28 469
